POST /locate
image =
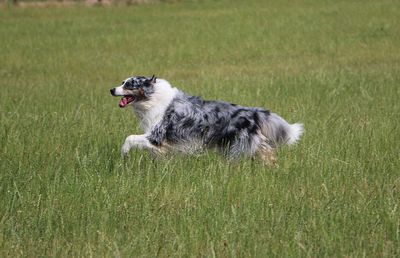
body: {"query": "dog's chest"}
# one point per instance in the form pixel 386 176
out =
pixel 148 117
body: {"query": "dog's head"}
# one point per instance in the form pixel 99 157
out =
pixel 134 89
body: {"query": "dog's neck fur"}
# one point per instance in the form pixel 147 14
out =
pixel 151 111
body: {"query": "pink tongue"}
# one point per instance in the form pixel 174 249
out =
pixel 123 102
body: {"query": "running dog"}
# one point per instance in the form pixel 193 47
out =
pixel 175 121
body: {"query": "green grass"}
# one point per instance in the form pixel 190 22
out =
pixel 333 65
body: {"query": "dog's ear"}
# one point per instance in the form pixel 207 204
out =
pixel 153 79
pixel 149 86
pixel 147 91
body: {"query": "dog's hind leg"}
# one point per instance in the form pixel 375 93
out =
pixel 268 157
pixel 267 154
pixel 140 142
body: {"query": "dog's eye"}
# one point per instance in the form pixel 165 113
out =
pixel 123 82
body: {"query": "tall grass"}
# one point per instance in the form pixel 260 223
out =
pixel 64 191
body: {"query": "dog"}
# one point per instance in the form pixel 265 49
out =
pixel 175 121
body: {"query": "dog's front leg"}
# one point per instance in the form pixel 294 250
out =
pixel 134 141
pixel 140 142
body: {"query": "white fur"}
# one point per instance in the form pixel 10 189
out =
pixel 119 91
pixel 151 111
pixel 140 142
pixel 295 131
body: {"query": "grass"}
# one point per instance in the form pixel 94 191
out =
pixel 64 191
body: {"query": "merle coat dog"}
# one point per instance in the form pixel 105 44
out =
pixel 175 121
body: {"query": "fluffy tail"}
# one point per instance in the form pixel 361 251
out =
pixel 278 131
pixel 295 131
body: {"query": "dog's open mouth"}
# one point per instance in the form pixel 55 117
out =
pixel 125 101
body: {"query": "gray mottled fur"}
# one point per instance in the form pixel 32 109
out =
pixel 193 123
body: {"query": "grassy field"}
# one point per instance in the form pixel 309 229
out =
pixel 333 65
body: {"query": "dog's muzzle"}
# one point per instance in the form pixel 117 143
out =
pixel 125 100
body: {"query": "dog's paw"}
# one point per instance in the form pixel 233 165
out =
pixel 124 151
pixel 125 147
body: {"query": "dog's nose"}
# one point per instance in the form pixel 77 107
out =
pixel 112 91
